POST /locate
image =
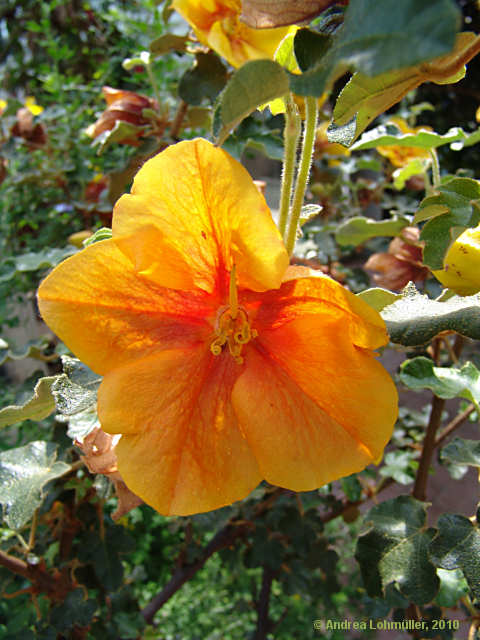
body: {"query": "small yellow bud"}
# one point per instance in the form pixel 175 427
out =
pixel 461 271
pixel 77 238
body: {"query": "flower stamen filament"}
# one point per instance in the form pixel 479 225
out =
pixel 232 326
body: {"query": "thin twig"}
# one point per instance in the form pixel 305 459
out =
pixel 454 424
pixel 224 538
pixel 420 487
pixel 178 120
pixel 263 620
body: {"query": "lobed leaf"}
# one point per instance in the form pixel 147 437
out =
pixel 24 472
pixel 422 139
pixel 394 550
pixel 461 451
pixel 37 407
pixel 445 382
pixel 31 349
pixel 457 546
pixel 414 319
pixel 76 389
pixel 359 229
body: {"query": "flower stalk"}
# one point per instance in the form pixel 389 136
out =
pixel 291 136
pixel 303 171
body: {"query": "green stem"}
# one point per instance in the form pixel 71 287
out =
pixel 154 84
pixel 311 104
pixel 435 168
pixel 291 135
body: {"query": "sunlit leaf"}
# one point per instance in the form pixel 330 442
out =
pixel 380 37
pixel 457 546
pixel 32 349
pixel 378 298
pixel 23 474
pixel 254 84
pixel 168 42
pixel 414 319
pixel 359 229
pixel 455 207
pixel 37 407
pixel 445 382
pixel 463 452
pixel 367 97
pixel 453 586
pixel 394 550
pixel 422 139
pixel 76 389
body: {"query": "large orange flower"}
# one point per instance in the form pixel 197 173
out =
pixel 217 24
pixel 221 364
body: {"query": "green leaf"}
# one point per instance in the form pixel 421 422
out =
pixel 378 298
pixel 310 47
pixel 24 471
pixel 379 37
pixel 394 550
pixel 461 451
pixel 43 259
pixel 379 137
pixel 168 42
pixel 367 97
pixel 205 80
pixel 31 349
pixel 39 406
pixel 359 229
pixel 457 546
pixel 461 197
pixel 61 618
pixel 413 168
pixel 121 132
pixel 398 465
pixel 414 319
pixel 76 389
pixel 445 382
pixel 344 134
pixel 254 84
pixel 453 586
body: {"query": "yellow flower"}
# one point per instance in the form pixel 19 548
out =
pixel 34 108
pixel 3 106
pixel 222 365
pixel 461 270
pixel 401 156
pixel 217 25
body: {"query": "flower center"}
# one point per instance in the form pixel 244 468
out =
pixel 232 327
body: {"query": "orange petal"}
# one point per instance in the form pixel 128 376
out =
pixel 313 407
pixel 96 303
pixel 307 292
pixel 206 208
pixel 182 450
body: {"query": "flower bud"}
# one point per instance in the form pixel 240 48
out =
pixel 461 270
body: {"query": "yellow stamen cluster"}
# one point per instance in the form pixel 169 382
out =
pixel 232 327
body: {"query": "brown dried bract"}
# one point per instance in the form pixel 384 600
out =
pixel 34 134
pixel 123 106
pixel 267 14
pixel 100 457
pixel 401 264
